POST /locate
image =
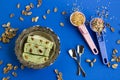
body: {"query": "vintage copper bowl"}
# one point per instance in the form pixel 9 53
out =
pixel 37 30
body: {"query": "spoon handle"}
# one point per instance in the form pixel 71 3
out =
pixel 101 41
pixel 88 38
pixel 80 70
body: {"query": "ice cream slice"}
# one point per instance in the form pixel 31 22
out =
pixel 36 59
pixel 34 49
pixel 39 40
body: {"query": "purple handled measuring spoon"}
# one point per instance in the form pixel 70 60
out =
pixel 78 19
pixel 97 25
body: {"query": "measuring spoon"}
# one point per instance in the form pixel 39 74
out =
pixel 97 25
pixel 78 19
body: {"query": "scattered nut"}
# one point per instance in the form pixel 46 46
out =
pixel 18 5
pixel 21 19
pixel 28 8
pixel 118 41
pixel 64 13
pixel 14 74
pixel 31 5
pixel 56 71
pixel 39 3
pixel 5 78
pixel 44 17
pixel 91 64
pixel 22 67
pixel 26 13
pixel 55 9
pixel 114 66
pixel 115 51
pixel 1 62
pixel 94 60
pixel 12 15
pixel 112 60
pixel 29 13
pixel 48 11
pixel 8 34
pixel 59 74
pixel 61 24
pixel 35 19
pixel 108 64
pixel 88 60
pixel 15 67
pixel 112 29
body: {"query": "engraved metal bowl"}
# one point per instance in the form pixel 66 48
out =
pixel 37 30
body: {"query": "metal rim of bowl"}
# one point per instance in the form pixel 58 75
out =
pixel 28 31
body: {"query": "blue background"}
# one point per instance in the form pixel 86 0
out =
pixel 69 37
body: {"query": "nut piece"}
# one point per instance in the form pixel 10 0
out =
pixel 27 8
pixel 59 74
pixel 21 19
pixel 55 9
pixel 12 15
pixel 94 60
pixel 118 41
pixel 1 62
pixel 112 29
pixel 114 66
pixel 5 78
pixel 14 74
pixel 31 5
pixel 61 24
pixel 88 60
pixel 91 64
pixel 18 5
pixel 115 51
pixel 108 64
pixel 29 13
pixel 56 71
pixel 64 13
pixel 48 11
pixel 26 13
pixel 22 67
pixel 15 67
pixel 39 3
pixel 35 19
pixel 44 17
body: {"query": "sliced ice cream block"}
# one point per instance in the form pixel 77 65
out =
pixel 34 58
pixel 47 52
pixel 39 40
pixel 34 49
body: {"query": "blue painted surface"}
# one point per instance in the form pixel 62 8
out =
pixel 69 37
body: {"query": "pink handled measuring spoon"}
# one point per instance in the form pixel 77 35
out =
pixel 78 19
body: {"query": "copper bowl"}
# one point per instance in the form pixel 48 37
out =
pixel 37 30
